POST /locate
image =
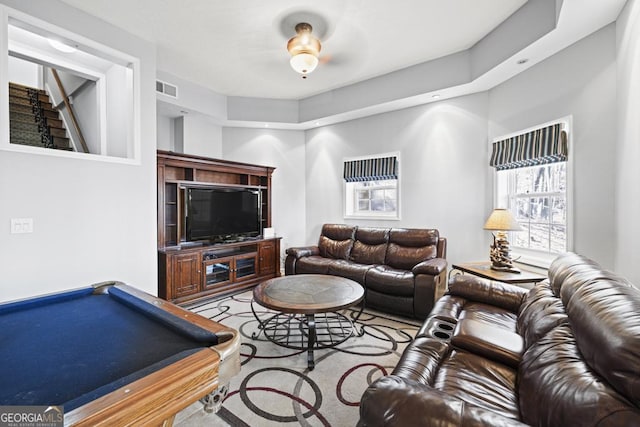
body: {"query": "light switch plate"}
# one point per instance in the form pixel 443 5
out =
pixel 21 225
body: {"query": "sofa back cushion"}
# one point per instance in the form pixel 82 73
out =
pixel 336 241
pixel 408 247
pixel 370 246
pixel 605 319
pixel 557 388
pixel 540 312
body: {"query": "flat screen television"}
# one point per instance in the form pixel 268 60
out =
pixel 220 213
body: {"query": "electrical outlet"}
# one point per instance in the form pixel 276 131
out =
pixel 21 225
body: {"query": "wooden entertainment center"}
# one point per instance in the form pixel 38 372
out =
pixel 193 270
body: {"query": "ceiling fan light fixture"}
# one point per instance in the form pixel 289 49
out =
pixel 304 49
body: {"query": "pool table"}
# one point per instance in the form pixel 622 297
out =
pixel 112 355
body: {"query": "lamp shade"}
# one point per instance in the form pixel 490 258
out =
pixel 502 220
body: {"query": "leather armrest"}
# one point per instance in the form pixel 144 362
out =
pixel 489 341
pixel 432 267
pixel 509 297
pixel 399 402
pixel 303 251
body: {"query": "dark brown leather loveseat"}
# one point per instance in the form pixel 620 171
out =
pixel 402 270
pixel 566 353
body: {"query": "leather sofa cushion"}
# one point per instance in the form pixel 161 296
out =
pixel 363 253
pixel 492 342
pixel 490 315
pixel 509 297
pixel 349 270
pixel 338 231
pixel 372 236
pixel 480 382
pixel 605 320
pixel 421 359
pixel 414 237
pixel 557 388
pixel 335 249
pixel 406 257
pixel 390 303
pixel 313 265
pixel 387 280
pixel 540 313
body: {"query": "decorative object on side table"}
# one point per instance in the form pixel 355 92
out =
pixel 501 221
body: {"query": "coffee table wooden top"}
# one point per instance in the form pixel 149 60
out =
pixel 308 293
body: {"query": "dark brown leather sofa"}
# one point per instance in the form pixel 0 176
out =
pixel 566 353
pixel 402 270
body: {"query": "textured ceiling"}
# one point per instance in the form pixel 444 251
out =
pixel 238 47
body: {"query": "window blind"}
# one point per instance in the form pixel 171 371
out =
pixel 541 146
pixel 375 169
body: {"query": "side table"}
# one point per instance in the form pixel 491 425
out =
pixel 483 269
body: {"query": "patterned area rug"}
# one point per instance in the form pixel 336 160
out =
pixel 275 386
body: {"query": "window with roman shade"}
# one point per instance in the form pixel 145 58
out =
pixel 532 182
pixel 371 187
pixel 375 169
pixel 538 147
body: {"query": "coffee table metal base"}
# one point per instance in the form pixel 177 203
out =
pixel 307 331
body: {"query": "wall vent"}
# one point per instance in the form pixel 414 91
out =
pixel 167 89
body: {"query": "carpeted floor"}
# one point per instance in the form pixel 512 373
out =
pixel 276 388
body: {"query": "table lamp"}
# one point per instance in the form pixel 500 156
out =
pixel 501 221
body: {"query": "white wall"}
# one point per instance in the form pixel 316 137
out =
pixel 165 128
pixel 442 171
pixel 24 72
pixel 93 220
pixel 284 150
pixel 627 202
pixel 201 137
pixel 578 81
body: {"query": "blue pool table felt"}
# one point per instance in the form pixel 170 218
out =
pixel 71 348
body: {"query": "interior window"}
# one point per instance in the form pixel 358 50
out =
pixel 68 95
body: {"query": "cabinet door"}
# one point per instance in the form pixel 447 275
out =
pixel 267 255
pixel 186 274
pixel 217 272
pixel 245 266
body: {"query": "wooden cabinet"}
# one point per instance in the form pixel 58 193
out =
pixel 193 270
pixel 192 273
pixel 268 255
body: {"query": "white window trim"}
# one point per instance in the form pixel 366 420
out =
pixel 532 257
pixel 373 216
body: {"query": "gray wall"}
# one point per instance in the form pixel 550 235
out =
pixel 442 166
pixel 627 191
pixel 93 220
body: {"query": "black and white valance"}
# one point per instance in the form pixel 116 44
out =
pixel 541 146
pixel 376 169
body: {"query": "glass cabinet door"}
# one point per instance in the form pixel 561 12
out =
pixel 217 271
pixel 245 266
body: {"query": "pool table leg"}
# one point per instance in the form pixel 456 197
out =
pixel 213 401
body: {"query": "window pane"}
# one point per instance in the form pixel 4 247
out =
pixel 377 194
pixel 521 238
pixel 559 210
pixel 377 205
pixel 363 194
pixel 558 238
pixel 541 177
pixel 522 210
pixel 363 205
pixel 540 209
pixel 390 205
pixel 539 238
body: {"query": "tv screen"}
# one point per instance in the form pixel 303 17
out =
pixel 221 213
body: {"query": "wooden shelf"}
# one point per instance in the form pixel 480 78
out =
pixel 180 268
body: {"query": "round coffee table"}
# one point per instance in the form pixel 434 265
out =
pixel 307 306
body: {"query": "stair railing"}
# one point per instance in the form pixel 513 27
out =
pixel 38 113
pixel 69 107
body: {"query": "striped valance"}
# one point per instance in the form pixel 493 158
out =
pixel 371 169
pixel 544 145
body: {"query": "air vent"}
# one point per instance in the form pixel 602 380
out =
pixel 167 89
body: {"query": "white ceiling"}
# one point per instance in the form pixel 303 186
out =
pixel 238 47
